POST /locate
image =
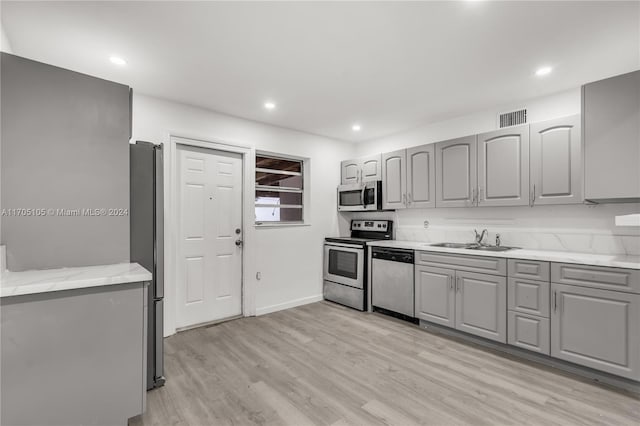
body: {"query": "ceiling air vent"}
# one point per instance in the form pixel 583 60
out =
pixel 512 118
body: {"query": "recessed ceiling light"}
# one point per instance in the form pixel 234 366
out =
pixel 118 61
pixel 269 105
pixel 542 71
pixel 356 127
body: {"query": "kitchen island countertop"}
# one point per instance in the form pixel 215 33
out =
pixel 48 280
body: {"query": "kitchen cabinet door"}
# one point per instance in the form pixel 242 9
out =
pixel 596 328
pixel 371 167
pixel 503 167
pixel 611 133
pixel 456 178
pixel 556 161
pixel 350 171
pixel 529 332
pixel 394 180
pixel 481 305
pixel 434 295
pixel 421 177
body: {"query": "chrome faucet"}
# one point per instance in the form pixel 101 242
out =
pixel 480 237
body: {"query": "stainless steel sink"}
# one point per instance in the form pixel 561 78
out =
pixel 453 245
pixel 491 248
pixel 472 246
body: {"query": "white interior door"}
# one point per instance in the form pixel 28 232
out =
pixel 209 264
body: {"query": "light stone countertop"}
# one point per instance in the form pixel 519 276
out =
pixel 615 261
pixel 48 280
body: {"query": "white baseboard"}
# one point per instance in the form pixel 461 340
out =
pixel 287 305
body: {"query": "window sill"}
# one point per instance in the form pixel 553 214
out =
pixel 280 225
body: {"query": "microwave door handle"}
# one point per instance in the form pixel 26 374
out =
pixel 362 201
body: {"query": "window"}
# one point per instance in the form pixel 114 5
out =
pixel 279 190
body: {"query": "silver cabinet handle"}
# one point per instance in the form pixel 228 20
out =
pixel 555 301
pixel 481 195
pixel 409 199
pixel 533 195
pixel 560 305
pixel 450 279
pixel 473 197
pixel 404 199
pixel 458 284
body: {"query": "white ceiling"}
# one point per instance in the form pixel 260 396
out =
pixel 388 66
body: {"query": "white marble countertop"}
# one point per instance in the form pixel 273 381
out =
pixel 48 280
pixel 616 261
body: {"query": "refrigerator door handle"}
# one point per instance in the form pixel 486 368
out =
pixel 159 223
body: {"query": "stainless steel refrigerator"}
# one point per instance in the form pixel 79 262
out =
pixel 146 221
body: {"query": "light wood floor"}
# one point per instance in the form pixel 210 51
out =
pixel 325 364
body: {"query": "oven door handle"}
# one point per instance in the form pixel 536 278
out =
pixel 350 247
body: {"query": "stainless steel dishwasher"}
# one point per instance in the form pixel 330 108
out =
pixel 392 280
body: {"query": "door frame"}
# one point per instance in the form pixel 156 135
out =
pixel 171 224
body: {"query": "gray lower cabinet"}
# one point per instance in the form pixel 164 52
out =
pixel 529 332
pixel 503 167
pixel 435 297
pixel 449 293
pixel 74 357
pixel 611 133
pixel 556 161
pixel 528 296
pixel 596 328
pixel 481 305
pixel 456 177
pixel 421 177
pixel 394 180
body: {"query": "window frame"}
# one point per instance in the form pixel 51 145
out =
pixel 304 190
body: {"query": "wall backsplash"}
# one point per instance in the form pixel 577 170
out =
pixel 576 228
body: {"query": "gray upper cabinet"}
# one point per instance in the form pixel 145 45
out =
pixel 371 167
pixel 435 297
pixel 481 305
pixel 556 161
pixel 611 133
pixel 421 177
pixel 456 172
pixel 503 167
pixel 350 171
pixel 596 328
pixel 361 169
pixel 394 180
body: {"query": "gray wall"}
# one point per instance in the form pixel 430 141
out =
pixel 65 145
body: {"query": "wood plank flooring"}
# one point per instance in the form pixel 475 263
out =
pixel 323 364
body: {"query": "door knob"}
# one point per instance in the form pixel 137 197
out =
pixel 239 243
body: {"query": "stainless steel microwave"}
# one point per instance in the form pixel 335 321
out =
pixel 360 197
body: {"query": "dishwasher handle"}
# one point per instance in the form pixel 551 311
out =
pixel 393 254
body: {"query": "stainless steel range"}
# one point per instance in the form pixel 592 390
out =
pixel 345 262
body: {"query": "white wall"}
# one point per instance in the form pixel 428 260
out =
pixel 5 45
pixel 540 109
pixel 578 228
pixel 289 259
